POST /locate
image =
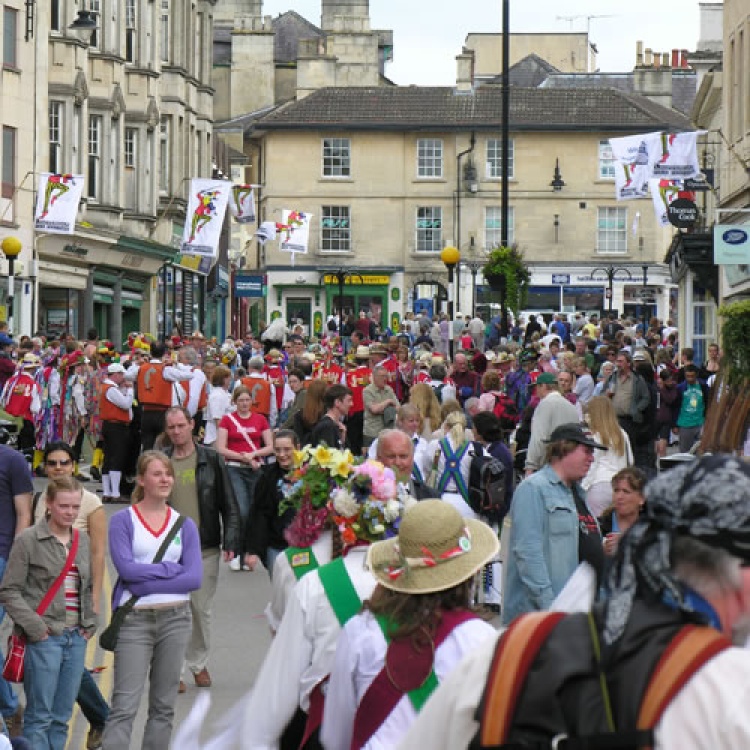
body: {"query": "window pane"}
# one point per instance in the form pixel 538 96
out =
pixel 10 30
pixel 606 161
pixel 495 159
pixel 336 157
pixel 612 236
pixel 335 229
pixel 493 226
pixel 9 162
pixel 429 229
pixel 55 136
pixel 429 157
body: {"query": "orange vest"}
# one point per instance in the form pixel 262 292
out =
pixel 260 393
pixel 153 390
pixel 202 399
pixel 108 412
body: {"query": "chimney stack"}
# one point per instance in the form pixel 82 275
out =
pixel 675 58
pixel 465 70
pixel 639 54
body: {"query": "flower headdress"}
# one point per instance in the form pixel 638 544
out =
pixel 318 472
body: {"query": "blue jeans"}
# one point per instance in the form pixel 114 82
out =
pixel 52 676
pixel 8 697
pixel 92 703
pixel 243 483
pixel 271 554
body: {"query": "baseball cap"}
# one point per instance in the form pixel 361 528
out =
pixel 546 378
pixel 575 434
pixel 114 368
pixel 5 340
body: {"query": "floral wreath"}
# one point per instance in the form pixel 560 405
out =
pixel 327 488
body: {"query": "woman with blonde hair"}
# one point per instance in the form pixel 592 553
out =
pixel 423 397
pixel 602 421
pixel 451 458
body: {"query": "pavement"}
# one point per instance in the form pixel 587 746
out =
pixel 240 640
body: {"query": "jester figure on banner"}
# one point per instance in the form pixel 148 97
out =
pixel 205 212
pixel 57 185
pixel 242 204
pixel 663 193
pixel 48 421
pixel 294 231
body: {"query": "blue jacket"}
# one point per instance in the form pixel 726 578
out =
pixel 543 549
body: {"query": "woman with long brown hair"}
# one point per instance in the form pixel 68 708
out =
pixel 309 415
pixel 417 623
pixel 602 422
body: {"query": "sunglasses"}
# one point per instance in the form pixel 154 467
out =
pixel 62 462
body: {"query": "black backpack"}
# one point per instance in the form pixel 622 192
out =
pixel 487 495
pixel 438 390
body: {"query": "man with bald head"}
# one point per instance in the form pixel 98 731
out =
pixel 396 451
pixel 467 382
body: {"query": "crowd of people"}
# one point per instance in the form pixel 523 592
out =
pixel 370 474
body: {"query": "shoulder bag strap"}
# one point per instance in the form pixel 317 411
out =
pixel 55 587
pixel 168 539
pixel 514 655
pixel 340 591
pixel 242 431
pixel 382 696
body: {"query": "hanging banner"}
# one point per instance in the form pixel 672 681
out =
pixel 678 156
pixel 266 232
pixel 294 231
pixel 242 204
pixel 635 156
pixel 57 200
pixel 205 216
pixel 663 194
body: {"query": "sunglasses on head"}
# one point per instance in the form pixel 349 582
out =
pixel 61 462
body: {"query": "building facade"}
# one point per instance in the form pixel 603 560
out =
pixel 130 107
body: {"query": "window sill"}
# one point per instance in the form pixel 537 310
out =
pixel 11 69
pixel 336 253
pixel 419 180
pixel 335 178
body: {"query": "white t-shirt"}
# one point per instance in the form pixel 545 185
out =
pixel 219 403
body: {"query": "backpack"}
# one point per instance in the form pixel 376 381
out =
pixel 506 411
pixel 487 495
pixel 438 390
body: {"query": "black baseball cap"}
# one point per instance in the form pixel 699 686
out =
pixel 576 434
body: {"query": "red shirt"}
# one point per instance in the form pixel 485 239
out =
pixel 253 426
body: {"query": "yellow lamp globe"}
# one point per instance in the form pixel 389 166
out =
pixel 11 247
pixel 450 256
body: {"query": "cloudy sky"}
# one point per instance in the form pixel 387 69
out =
pixel 428 34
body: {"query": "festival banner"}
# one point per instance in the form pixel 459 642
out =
pixel 677 156
pixel 664 192
pixel 266 232
pixel 634 156
pixel 294 230
pixel 242 204
pixel 57 200
pixel 205 216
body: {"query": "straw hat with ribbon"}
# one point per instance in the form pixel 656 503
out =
pixel 436 549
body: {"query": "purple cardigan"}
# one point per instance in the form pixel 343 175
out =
pixel 165 577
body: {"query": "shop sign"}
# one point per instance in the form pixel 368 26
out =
pixel 358 279
pixel 246 285
pixel 732 244
pixel 682 213
pixel 561 278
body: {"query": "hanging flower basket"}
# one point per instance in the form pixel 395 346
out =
pixel 495 281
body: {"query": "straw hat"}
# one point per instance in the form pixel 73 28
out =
pixel 363 352
pixel 30 360
pixel 435 550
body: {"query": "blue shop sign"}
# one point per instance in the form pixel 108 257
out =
pixel 246 285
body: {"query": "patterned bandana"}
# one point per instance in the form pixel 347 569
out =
pixel 707 499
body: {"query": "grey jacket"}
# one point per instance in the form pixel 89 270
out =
pixel 641 395
pixel 36 559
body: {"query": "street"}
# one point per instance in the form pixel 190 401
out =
pixel 239 643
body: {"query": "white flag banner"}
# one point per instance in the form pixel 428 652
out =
pixel 663 192
pixel 266 232
pixel 634 158
pixel 57 200
pixel 678 156
pixel 295 232
pixel 242 204
pixel 205 216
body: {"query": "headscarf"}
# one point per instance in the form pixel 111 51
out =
pixel 708 500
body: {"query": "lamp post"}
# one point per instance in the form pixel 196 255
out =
pixel 611 272
pixel 471 183
pixel 451 258
pixel 341 275
pixel 84 25
pixel 474 266
pixel 11 247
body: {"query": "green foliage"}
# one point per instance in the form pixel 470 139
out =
pixel 735 335
pixel 508 262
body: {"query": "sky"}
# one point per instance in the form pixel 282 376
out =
pixel 428 34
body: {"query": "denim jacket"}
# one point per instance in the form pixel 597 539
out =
pixel 543 549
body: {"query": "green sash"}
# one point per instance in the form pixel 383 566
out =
pixel 342 596
pixel 301 560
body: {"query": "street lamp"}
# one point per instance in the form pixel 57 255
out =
pixel 611 272
pixel 341 275
pixel 474 266
pixel 11 247
pixel 84 26
pixel 451 258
